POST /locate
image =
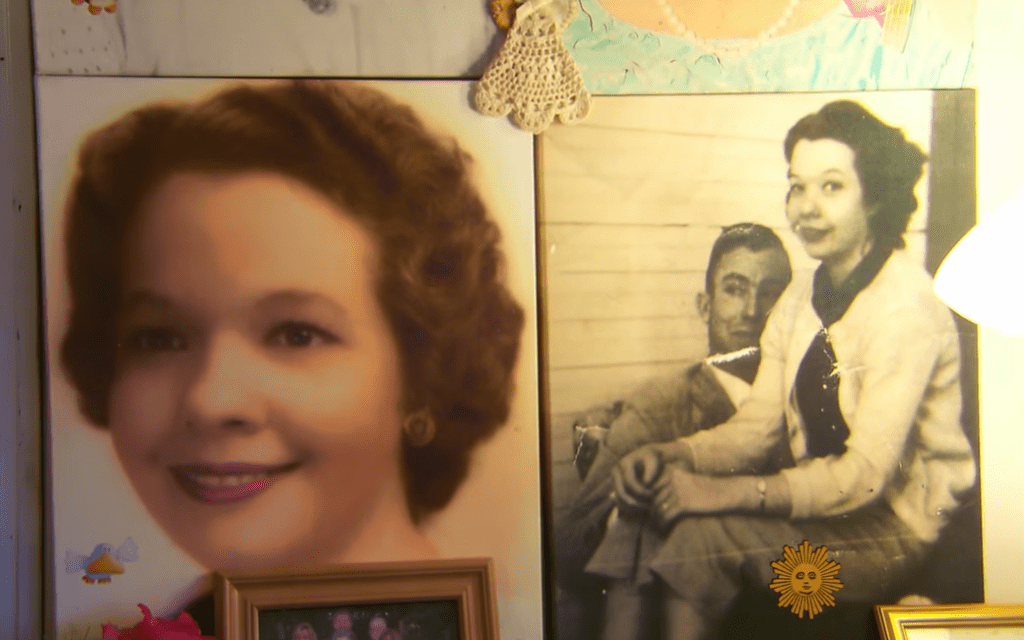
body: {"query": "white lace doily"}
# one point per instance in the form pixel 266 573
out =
pixel 534 77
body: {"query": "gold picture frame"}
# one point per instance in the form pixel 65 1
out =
pixel 983 621
pixel 243 597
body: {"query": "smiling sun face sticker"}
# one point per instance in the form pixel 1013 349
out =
pixel 806 579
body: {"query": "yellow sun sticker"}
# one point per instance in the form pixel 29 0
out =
pixel 806 579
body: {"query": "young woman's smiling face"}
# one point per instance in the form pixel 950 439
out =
pixel 256 402
pixel 825 205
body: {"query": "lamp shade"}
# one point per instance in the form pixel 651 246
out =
pixel 982 278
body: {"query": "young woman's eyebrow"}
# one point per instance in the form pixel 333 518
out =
pixel 826 172
pixel 291 300
pixel 144 299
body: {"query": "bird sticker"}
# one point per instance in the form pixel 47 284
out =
pixel 104 562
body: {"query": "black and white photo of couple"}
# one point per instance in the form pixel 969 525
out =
pixel 817 391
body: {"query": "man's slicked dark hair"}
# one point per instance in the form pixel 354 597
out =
pixel 753 236
pixel 440 276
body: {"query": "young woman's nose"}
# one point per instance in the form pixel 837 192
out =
pixel 221 392
pixel 802 207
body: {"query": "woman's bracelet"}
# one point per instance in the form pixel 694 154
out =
pixel 762 493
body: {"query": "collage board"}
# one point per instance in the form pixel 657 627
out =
pixel 672 362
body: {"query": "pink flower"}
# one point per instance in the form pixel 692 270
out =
pixel 181 628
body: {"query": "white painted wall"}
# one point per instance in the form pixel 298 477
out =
pixel 1000 175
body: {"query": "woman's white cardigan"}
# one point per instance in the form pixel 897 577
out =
pixel 899 391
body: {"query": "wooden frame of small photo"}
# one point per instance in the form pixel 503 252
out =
pixel 455 598
pixel 975 621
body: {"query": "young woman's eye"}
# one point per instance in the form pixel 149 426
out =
pixel 298 335
pixel 794 190
pixel 832 186
pixel 154 340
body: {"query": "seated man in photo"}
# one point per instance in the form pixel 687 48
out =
pixel 747 272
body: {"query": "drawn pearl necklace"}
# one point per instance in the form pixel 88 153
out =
pixel 737 50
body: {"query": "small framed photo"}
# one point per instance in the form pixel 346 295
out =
pixel 951 622
pixel 433 599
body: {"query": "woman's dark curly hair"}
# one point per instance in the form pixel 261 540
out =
pixel 887 164
pixel 441 273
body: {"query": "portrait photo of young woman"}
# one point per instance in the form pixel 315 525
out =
pixel 290 325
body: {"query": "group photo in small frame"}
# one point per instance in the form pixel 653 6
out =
pixel 707 478
pixel 426 600
pixel 378 621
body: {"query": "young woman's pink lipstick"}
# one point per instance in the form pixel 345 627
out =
pixel 224 483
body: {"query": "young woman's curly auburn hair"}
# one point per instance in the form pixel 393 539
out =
pixel 888 165
pixel 441 272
